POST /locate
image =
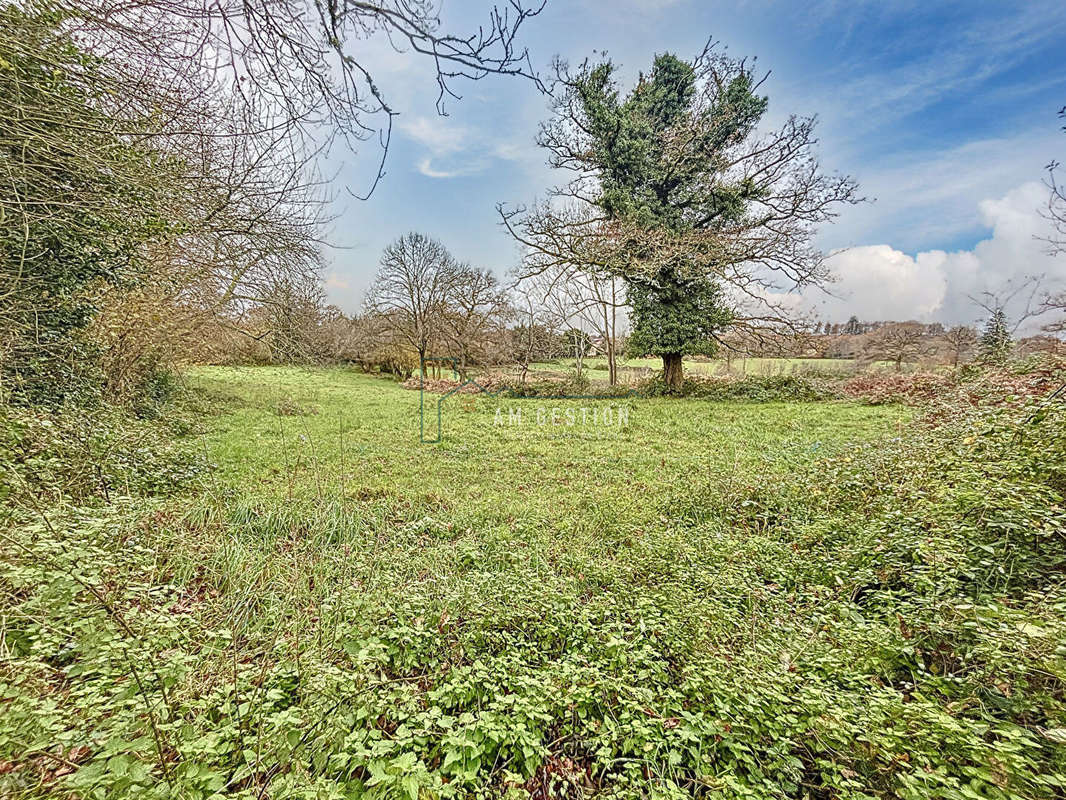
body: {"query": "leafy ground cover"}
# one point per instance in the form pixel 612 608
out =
pixel 722 599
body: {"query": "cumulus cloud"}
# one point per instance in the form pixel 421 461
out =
pixel 879 282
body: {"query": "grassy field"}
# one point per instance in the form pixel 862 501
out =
pixel 712 599
pixel 353 433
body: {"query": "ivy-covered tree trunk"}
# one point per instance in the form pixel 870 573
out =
pixel 672 374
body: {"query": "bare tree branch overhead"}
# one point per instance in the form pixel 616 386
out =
pixel 298 66
pixel 1055 212
pixel 1018 301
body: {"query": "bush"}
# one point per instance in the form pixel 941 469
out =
pixel 156 393
pixel 572 386
pixel 756 388
pixel 879 388
pixel 90 455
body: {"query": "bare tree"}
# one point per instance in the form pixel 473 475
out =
pixel 533 336
pixel 583 303
pixel 476 305
pixel 960 342
pixel 898 342
pixel 412 289
pixel 602 308
pixel 561 305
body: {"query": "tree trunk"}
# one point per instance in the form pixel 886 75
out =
pixel 672 374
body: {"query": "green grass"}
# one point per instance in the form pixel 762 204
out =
pixel 363 436
pixel 715 599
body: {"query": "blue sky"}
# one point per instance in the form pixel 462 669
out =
pixel 944 112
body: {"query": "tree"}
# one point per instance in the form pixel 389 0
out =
pixel 897 342
pixel 412 289
pixel 601 299
pixel 673 192
pixel 585 303
pixel 996 338
pixel 294 312
pixel 960 341
pixel 475 305
pixel 82 190
pixel 534 337
pixel 853 327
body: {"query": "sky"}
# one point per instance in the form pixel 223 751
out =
pixel 944 112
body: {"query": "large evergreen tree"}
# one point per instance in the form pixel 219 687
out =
pixel 674 192
pixel 995 338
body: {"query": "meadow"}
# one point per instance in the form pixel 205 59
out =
pixel 326 433
pixel 718 599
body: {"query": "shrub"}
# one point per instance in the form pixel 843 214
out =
pixel 756 388
pixel 91 455
pixel 572 386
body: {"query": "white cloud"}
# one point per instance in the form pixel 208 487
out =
pixel 468 167
pixel 455 151
pixel 436 135
pixel 928 197
pixel 878 282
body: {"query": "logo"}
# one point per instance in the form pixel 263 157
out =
pixel 605 413
pixel 467 389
